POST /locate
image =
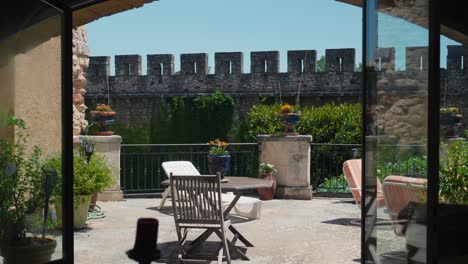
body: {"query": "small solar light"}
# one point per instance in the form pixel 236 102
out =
pixel 49 181
pixel 89 149
pixel 355 153
pixel 145 249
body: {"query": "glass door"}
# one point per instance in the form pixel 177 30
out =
pixel 33 133
pixel 396 132
pixel 453 173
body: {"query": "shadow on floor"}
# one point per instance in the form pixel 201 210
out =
pixel 209 249
pixel 349 201
pixel 344 222
pixel 396 257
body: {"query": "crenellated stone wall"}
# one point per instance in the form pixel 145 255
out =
pixel 339 79
pixel 401 98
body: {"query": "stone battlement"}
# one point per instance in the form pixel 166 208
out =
pixel 339 78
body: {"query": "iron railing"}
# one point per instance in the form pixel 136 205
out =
pixel 141 170
pixel 326 166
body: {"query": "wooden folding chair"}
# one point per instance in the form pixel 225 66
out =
pixel 187 168
pixel 199 206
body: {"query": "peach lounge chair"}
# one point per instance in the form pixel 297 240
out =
pixel 353 174
pixel 399 191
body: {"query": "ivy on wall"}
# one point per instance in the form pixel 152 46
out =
pixel 179 120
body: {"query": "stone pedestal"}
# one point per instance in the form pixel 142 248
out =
pixel 291 157
pixel 109 146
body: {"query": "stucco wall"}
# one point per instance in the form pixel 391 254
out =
pixel 31 80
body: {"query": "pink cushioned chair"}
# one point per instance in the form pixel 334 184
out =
pixel 353 174
pixel 399 191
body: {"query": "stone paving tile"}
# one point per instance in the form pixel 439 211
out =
pixel 289 231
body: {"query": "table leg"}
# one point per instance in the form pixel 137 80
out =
pixel 232 228
pixel 231 205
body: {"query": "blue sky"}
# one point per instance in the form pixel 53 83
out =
pixel 188 26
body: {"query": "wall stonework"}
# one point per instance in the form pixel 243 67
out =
pixel 80 67
pixel 402 94
pixel 265 78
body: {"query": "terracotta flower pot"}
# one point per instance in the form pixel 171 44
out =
pixel 103 119
pixel 267 193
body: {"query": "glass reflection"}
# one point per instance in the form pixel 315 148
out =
pixel 30 129
pixel 396 132
pixel 453 174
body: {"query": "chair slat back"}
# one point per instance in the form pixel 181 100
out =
pixel 199 199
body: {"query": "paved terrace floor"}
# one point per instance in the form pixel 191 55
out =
pixel 289 231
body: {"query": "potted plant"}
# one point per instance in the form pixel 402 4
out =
pixel 289 118
pixel 218 158
pixel 21 195
pixel 453 205
pixel 453 180
pixel 90 177
pixel 266 172
pixel 103 116
pixel 450 121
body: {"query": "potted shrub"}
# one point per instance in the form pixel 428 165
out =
pixel 266 172
pixel 450 121
pixel 289 118
pixel 453 205
pixel 453 181
pixel 89 178
pixel 103 116
pixel 21 195
pixel 218 158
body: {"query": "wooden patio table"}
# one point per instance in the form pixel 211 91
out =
pixel 238 186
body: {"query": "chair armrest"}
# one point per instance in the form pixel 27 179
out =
pixel 355 189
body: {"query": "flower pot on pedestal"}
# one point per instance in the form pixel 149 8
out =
pixel 103 119
pixel 219 164
pixel 289 120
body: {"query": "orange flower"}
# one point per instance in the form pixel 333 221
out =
pixel 286 108
pixel 103 108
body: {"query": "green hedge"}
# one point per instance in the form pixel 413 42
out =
pixel 329 123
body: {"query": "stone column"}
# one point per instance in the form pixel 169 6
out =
pixel 109 146
pixel 80 65
pixel 291 157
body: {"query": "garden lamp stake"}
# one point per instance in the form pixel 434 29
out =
pixel 50 178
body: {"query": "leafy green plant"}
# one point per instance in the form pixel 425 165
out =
pixel 327 124
pixel 266 168
pixel 449 110
pixel 263 120
pixel 414 166
pixel 321 64
pixel 21 192
pixel 454 174
pixel 89 178
pixel 334 184
pixel 218 147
